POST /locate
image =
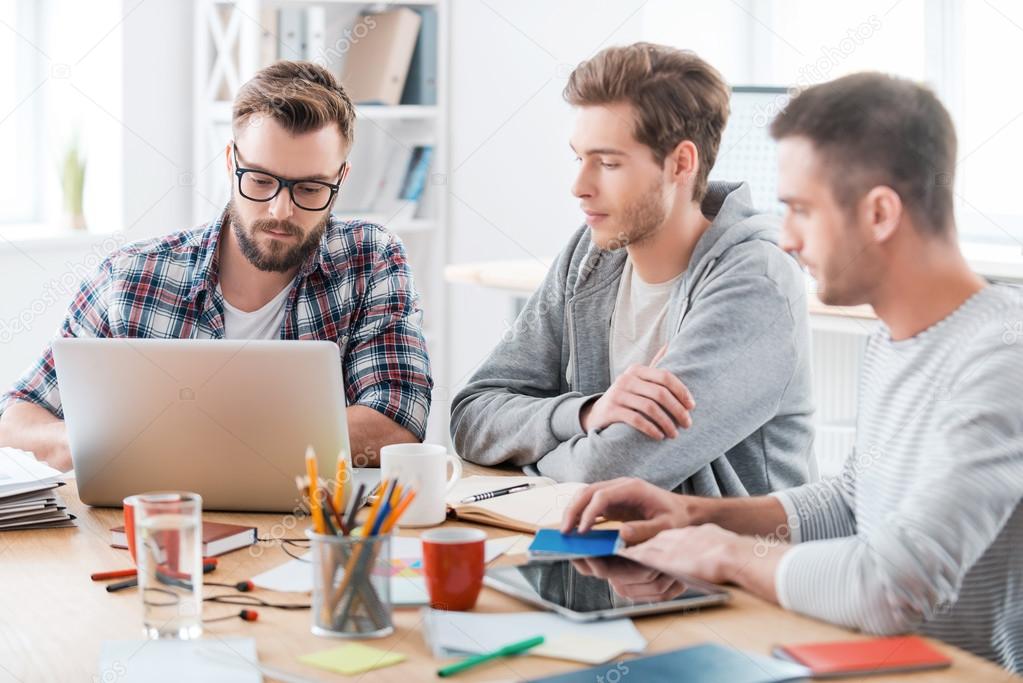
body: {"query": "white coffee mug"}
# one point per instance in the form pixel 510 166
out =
pixel 422 466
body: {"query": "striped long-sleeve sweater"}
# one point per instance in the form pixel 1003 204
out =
pixel 923 530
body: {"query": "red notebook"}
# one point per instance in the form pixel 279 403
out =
pixel 217 538
pixel 858 657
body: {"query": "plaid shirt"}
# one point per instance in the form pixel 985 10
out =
pixel 356 291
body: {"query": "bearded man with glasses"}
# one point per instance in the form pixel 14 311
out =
pixel 274 264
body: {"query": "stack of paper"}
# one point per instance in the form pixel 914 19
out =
pixel 28 498
pixel 453 634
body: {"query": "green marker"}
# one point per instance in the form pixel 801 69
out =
pixel 506 651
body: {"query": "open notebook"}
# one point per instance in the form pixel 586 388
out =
pixel 526 511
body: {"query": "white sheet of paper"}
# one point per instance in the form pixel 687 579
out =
pixel 296 576
pixel 224 660
pixel 18 468
pixel 450 633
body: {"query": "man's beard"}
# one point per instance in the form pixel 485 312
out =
pixel 641 219
pixel 274 256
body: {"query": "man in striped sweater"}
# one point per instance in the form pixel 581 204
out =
pixel 923 529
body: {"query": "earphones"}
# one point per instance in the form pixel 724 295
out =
pixel 244 615
pixel 241 586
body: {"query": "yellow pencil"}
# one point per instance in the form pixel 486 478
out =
pixel 314 498
pixel 339 485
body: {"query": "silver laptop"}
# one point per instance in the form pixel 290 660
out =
pixel 229 420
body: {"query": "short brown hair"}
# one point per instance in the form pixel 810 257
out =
pixel 676 95
pixel 301 96
pixel 874 129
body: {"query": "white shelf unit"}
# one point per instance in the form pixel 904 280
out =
pixel 229 35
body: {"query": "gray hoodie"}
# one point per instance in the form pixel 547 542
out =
pixel 741 344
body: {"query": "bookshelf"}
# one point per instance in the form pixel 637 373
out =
pixel 234 39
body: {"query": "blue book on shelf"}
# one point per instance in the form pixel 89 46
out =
pixel 707 663
pixel 415 181
pixel 421 83
pixel 552 544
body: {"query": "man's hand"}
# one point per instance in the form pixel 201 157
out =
pixel 714 554
pixel 630 580
pixel 32 428
pixel 649 399
pixel 646 509
pixel 55 450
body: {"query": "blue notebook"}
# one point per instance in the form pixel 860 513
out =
pixel 551 544
pixel 707 663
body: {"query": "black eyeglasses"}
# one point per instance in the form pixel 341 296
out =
pixel 260 186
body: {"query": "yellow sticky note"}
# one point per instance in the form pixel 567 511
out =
pixel 352 659
pixel 578 648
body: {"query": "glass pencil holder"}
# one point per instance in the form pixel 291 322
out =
pixel 351 585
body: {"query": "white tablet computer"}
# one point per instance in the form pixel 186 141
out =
pixel 602 588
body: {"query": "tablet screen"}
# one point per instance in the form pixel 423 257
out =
pixel 601 584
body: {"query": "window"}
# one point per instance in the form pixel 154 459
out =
pixel 20 80
pixel 966 51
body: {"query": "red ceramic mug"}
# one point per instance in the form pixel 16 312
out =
pixel 129 524
pixel 453 565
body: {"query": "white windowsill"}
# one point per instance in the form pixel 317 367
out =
pixel 44 237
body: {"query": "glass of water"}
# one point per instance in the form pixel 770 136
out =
pixel 168 550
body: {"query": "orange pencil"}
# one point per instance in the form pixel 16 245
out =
pixel 398 512
pixel 314 499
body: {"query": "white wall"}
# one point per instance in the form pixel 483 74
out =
pixel 511 167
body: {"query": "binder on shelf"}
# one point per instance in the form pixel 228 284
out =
pixel 291 33
pixel 385 199
pixel 376 66
pixel 269 31
pixel 421 84
pixel 315 42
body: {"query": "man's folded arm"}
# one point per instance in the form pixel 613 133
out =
pixel 736 354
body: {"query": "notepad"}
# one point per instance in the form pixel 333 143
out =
pixel 551 544
pixel 526 511
pixel 871 656
pixel 575 647
pixel 707 663
pixel 352 659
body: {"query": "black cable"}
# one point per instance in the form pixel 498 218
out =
pixel 252 601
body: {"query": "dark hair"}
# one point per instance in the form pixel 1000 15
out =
pixel 874 129
pixel 676 95
pixel 301 96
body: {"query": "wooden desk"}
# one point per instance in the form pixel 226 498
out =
pixel 53 618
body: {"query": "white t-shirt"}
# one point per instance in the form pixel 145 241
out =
pixel 639 324
pixel 263 323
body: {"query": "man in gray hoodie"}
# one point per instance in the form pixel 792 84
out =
pixel 670 339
